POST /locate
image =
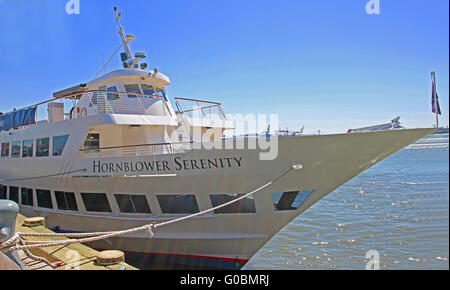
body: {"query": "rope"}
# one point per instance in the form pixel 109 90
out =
pixel 43 176
pixel 37 258
pixel 95 236
pixel 109 60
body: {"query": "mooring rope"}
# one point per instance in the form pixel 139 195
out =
pixel 12 243
pixel 37 258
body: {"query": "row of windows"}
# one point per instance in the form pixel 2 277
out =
pixel 25 148
pixel 143 89
pixel 169 204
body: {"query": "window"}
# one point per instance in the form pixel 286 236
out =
pixel 42 147
pixel 59 142
pixel 290 200
pixel 92 142
pixel 27 148
pixel 96 202
pixel 132 203
pixel 148 90
pixel 27 196
pixel 112 96
pixel 66 200
pixel 5 149
pixel 134 88
pixel 246 205
pixel 15 149
pixel 178 204
pixel 14 193
pixel 3 191
pixel 44 198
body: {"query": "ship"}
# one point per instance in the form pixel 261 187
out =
pixel 125 155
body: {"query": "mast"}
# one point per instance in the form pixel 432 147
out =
pixel 127 58
pixel 122 36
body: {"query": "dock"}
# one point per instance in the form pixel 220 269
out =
pixel 67 257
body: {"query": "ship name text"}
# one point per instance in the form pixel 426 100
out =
pixel 177 164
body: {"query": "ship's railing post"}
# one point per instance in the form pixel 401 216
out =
pixel 142 111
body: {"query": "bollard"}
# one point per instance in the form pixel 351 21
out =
pixel 111 257
pixel 8 215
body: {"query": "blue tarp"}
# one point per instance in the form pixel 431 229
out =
pixel 18 118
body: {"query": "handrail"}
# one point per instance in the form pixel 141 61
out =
pixel 132 146
pixel 112 92
pixel 81 93
pixel 202 108
pixel 199 108
pixel 137 150
pixel 194 100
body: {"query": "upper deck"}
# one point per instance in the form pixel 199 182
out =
pixel 125 107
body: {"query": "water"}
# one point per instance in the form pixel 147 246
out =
pixel 399 207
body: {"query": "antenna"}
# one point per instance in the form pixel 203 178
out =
pixel 125 40
pixel 127 57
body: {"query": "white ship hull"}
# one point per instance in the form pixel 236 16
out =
pixel 210 240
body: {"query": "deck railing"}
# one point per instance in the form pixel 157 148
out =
pixel 199 108
pixel 109 102
pixel 137 150
pixel 112 102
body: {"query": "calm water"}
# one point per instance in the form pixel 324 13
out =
pixel 399 207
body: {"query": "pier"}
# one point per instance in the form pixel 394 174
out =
pixel 66 257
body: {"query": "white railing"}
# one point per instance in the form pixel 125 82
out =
pixel 137 150
pixel 110 102
pixel 201 109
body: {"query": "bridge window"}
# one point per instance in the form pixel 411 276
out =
pixel 42 147
pixel 246 205
pixel 3 191
pixel 132 203
pixel 27 196
pixel 291 200
pixel 5 150
pixel 148 90
pixel 66 200
pixel 97 202
pixel 27 148
pixel 14 193
pixel 112 96
pixel 15 149
pixel 44 198
pixel 59 142
pixel 134 88
pixel 178 204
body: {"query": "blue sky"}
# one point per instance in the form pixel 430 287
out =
pixel 327 65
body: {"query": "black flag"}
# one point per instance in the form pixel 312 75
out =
pixel 434 103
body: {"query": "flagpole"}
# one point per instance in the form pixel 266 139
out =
pixel 433 75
